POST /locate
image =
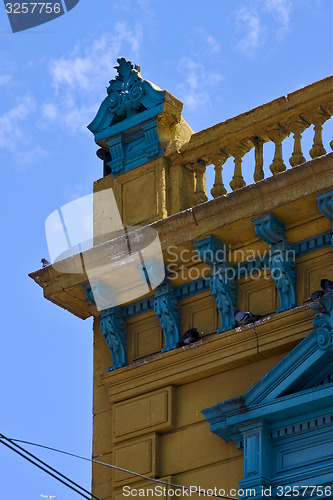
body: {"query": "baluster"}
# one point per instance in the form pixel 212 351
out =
pixel 329 110
pixel 238 151
pixel 199 169
pixel 277 134
pixel 218 189
pixel 259 159
pixel 318 119
pixel 297 127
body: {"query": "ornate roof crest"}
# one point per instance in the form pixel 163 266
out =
pixel 128 95
pixel 126 90
pixel 132 120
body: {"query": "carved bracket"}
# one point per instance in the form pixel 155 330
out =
pixel 323 322
pixel 325 205
pixel 113 328
pixel 112 324
pixel 100 294
pixel 167 311
pixel 282 259
pixel 222 283
pixel 271 230
pixel 283 270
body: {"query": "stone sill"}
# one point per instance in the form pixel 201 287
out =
pixel 275 334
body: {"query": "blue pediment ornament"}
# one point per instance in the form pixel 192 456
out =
pixel 126 122
pixel 128 95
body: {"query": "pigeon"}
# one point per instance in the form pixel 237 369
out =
pixel 245 318
pixel 189 337
pixel 45 262
pixel 315 296
pixel 327 287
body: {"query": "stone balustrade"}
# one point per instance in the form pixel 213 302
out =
pixel 271 122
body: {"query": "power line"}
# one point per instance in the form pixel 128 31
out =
pixel 201 492
pixel 21 453
pixel 43 469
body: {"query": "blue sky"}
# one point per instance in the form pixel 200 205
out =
pixel 220 58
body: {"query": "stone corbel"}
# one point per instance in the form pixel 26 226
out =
pixel 152 143
pixel 117 152
pixel 113 328
pixel 281 261
pixel 325 205
pixel 167 311
pixel 223 286
pixel 112 324
pixel 323 322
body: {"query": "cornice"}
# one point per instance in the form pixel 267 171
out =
pixel 312 178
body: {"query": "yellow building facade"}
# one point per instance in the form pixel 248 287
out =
pixel 175 413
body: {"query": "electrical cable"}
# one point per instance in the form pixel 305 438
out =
pixel 2 437
pixel 43 469
pixel 201 492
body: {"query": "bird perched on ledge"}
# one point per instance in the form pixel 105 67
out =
pixel 189 337
pixel 45 262
pixel 326 287
pixel 245 318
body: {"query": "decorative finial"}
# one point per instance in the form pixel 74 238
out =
pixel 125 68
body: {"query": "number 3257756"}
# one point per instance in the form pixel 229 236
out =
pixel 33 8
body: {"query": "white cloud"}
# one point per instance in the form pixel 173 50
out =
pixel 50 111
pixel 80 77
pixel 213 44
pixel 7 66
pixel 15 132
pixel 281 8
pixel 77 118
pixel 30 155
pixel 4 79
pixel 194 91
pixel 252 23
pixel 12 122
pixel 87 68
pixel 248 23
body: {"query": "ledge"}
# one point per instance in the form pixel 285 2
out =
pixel 276 334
